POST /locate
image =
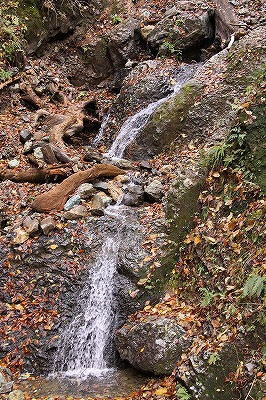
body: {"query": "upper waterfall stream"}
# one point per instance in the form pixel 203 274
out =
pixel 134 124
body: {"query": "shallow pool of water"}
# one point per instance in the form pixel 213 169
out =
pixel 113 383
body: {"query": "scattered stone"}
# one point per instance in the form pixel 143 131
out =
pixel 13 163
pixel 154 191
pixel 6 382
pixel 99 202
pixel 102 186
pixel 165 169
pixel 145 30
pixel 47 225
pixel 16 395
pixel 122 178
pixel 31 225
pixel 24 136
pixel 28 146
pixel 85 191
pixel 76 212
pixel 114 190
pixel 134 195
pixel 145 165
pixel 21 236
pixel 71 202
pixel 38 153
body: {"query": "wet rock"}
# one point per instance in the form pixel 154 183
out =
pixel 13 163
pixel 134 195
pixel 154 191
pixel 71 202
pixel 200 115
pixel 76 212
pixel 47 225
pixel 153 346
pixel 85 191
pixel 6 382
pixel 24 136
pixel 16 395
pixel 92 155
pixel 99 202
pixel 114 190
pixel 31 225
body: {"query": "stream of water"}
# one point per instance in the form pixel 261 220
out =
pixel 134 124
pixel 86 346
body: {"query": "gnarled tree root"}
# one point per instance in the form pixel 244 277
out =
pixel 55 199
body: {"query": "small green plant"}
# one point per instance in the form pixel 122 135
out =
pixel 214 357
pixel 254 285
pixel 182 393
pixel 4 75
pixel 116 19
pixel 179 22
pixel 207 296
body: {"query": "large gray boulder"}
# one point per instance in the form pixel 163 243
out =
pixel 154 345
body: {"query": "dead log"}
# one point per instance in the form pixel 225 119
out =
pixel 55 199
pixel 35 175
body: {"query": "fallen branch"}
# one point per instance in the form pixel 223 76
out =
pixel 35 175
pixel 55 199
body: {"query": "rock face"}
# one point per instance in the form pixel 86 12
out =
pixel 182 33
pixel 152 346
pixel 201 111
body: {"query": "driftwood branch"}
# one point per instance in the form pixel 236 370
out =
pixel 35 175
pixel 55 199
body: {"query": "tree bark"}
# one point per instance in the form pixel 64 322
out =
pixel 35 175
pixel 55 199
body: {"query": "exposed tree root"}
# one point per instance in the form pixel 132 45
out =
pixel 35 175
pixel 55 199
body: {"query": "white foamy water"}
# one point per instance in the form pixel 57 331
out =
pixel 85 347
pixel 134 124
pixel 100 134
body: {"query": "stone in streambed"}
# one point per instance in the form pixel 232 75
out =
pixel 71 202
pixel 31 225
pixel 76 212
pixel 154 191
pixel 153 345
pixel 99 202
pixel 85 191
pixel 47 225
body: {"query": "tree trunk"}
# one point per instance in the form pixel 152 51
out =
pixel 55 199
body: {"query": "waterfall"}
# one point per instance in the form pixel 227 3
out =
pixel 134 124
pixel 100 134
pixel 85 347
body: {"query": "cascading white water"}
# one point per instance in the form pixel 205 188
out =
pixel 86 345
pixel 134 124
pixel 100 134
